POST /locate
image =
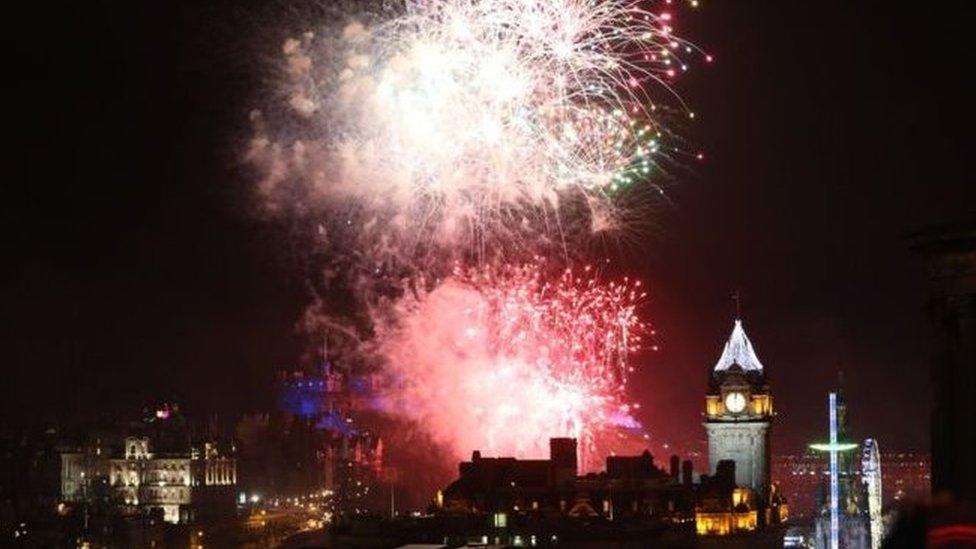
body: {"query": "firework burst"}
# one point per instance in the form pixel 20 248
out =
pixel 480 132
pixel 467 121
pixel 498 359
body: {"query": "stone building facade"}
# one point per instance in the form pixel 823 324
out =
pixel 738 414
pixel 136 479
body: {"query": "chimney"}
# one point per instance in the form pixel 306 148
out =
pixel 674 467
pixel 686 472
pixel 725 472
pixel 562 456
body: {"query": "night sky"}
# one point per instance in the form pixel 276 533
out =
pixel 136 268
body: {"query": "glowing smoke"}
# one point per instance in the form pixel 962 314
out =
pixel 498 359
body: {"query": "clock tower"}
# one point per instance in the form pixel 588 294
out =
pixel 738 412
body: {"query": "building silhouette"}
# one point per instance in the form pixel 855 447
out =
pixel 949 252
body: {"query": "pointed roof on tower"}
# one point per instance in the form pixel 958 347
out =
pixel 738 350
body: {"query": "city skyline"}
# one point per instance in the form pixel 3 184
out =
pixel 137 251
pixel 676 273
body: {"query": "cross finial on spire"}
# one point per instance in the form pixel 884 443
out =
pixel 736 299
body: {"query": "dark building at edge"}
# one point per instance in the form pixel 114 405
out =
pixel 949 252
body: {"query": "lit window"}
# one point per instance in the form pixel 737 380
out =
pixel 501 520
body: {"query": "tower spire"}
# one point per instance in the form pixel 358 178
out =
pixel 738 350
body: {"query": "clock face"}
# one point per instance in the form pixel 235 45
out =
pixel 735 402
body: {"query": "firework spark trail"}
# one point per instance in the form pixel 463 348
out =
pixel 457 117
pixel 500 360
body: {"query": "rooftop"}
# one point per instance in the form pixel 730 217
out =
pixel 738 350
